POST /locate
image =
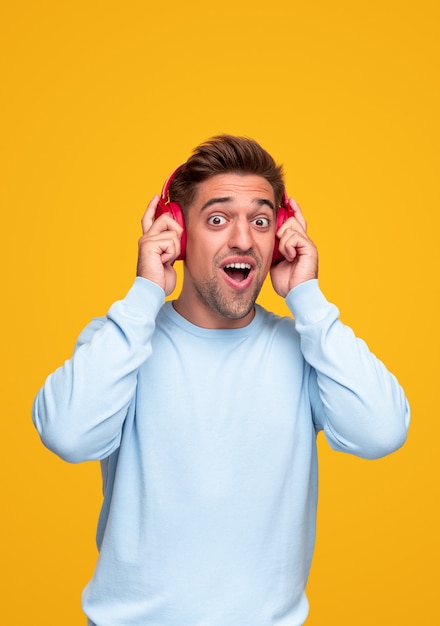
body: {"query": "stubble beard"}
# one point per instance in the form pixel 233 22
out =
pixel 235 306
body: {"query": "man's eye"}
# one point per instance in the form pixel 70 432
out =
pixel 217 220
pixel 262 222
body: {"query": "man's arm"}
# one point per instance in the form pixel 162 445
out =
pixel 356 400
pixel 81 408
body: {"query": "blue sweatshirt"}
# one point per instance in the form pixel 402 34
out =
pixel 207 441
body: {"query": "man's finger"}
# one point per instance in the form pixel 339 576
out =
pixel 298 213
pixel 148 217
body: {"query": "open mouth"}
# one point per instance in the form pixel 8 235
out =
pixel 237 271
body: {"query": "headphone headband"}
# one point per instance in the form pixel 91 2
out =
pixel 165 195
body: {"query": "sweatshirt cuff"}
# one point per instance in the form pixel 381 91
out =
pixel 308 304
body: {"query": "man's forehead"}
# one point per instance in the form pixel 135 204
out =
pixel 231 185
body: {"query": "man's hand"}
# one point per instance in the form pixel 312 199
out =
pixel 301 255
pixel 159 247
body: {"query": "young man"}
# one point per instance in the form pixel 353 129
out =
pixel 204 411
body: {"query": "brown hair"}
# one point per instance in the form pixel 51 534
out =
pixel 221 155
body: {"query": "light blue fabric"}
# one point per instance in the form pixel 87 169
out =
pixel 208 446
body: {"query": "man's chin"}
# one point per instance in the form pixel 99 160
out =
pixel 230 309
pixel 236 307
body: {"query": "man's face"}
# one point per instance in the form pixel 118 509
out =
pixel 230 241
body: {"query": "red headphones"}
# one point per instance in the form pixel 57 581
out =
pixel 165 205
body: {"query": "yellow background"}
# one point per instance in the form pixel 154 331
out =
pixel 100 101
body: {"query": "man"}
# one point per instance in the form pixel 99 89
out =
pixel 204 411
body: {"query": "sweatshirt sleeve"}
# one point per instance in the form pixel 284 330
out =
pixel 80 410
pixel 357 402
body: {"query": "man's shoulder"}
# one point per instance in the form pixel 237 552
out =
pixel 270 318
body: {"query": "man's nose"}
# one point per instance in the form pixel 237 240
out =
pixel 241 235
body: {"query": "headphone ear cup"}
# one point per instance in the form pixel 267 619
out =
pixel 173 209
pixel 285 211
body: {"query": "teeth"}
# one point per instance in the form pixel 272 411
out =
pixel 238 266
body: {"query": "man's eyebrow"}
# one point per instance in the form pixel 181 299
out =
pixel 224 199
pixel 212 201
pixel 264 201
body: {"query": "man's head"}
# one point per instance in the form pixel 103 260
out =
pixel 229 191
pixel 224 154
